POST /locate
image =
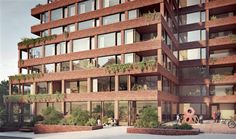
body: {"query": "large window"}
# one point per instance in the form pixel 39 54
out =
pixel 190 36
pixel 86 24
pixel 223 90
pixel 192 90
pixel 132 36
pixel 133 14
pixel 108 40
pixel 81 45
pixel 192 18
pixel 123 83
pixel 61 48
pixel 50 50
pixel 41 88
pixel 193 72
pixel 192 54
pixel 144 83
pixel 186 3
pixel 35 52
pixel 44 17
pixel 222 71
pixel 65 66
pixel 112 19
pixel 86 6
pixel 69 11
pixel 109 3
pixel 83 64
pixel 79 86
pixel 129 58
pixel 56 14
pixel 69 28
pixel 103 84
pixel 48 68
pixel 109 60
pixel 56 31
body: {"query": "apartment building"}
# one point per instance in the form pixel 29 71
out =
pixel 115 57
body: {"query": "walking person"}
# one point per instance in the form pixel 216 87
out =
pixel 218 116
pixel 177 118
pixel 214 116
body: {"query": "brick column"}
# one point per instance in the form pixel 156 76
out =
pixel 159 111
pixel 89 85
pixel 126 15
pixel 159 83
pixel 50 90
pixel 116 83
pixel 71 65
pixel 159 57
pixel 63 92
pixel 122 37
pixel 159 31
pixel 89 107
pixel 95 41
pixel 116 109
pixel 129 83
pixel 33 105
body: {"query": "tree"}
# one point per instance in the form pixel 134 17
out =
pixel 4 88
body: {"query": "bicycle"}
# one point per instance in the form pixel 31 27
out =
pixel 231 124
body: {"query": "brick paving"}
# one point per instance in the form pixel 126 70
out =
pixel 215 128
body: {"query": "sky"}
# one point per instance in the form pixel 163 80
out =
pixel 15 23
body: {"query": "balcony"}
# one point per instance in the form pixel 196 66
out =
pixel 212 4
pixel 227 21
pixel 223 79
pixel 227 60
pixel 209 99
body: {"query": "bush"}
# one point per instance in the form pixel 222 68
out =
pixel 51 116
pixel 184 126
pixel 80 117
pixel 91 122
pixel 148 118
pixel 36 119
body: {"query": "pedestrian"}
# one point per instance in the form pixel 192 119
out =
pixel 218 116
pixel 177 118
pixel 214 116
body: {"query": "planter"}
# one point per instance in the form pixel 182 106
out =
pixel 42 128
pixel 6 129
pixel 160 131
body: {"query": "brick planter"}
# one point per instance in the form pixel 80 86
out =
pixel 160 131
pixel 7 129
pixel 41 128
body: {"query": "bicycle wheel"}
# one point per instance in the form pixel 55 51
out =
pixel 231 124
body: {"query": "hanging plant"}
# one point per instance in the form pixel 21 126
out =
pixel 31 41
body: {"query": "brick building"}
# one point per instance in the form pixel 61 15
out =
pixel 123 55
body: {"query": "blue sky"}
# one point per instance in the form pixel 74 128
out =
pixel 15 23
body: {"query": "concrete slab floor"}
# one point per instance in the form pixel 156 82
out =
pixel 108 133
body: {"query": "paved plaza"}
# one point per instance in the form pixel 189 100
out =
pixel 108 133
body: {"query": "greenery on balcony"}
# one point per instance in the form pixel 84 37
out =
pixel 217 77
pixel 213 17
pixel 23 77
pixel 232 37
pixel 31 41
pixel 116 68
pixel 34 98
pixel 151 16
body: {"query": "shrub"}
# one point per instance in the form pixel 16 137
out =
pixel 184 126
pixel 36 119
pixel 148 118
pixel 51 116
pixel 91 122
pixel 80 117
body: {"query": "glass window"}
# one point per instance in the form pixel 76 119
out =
pixel 129 58
pixel 86 6
pixel 186 3
pixel 222 71
pixel 35 52
pixel 133 14
pixel 192 90
pixel 49 68
pixel 86 24
pixel 129 36
pixel 41 88
pixel 111 19
pixel 83 64
pixel 81 45
pixel 123 83
pixel 71 10
pixel 203 16
pixel 144 83
pixel 56 14
pixel 70 28
pixel 44 33
pixel 56 31
pixel 44 17
pixel 190 36
pixel 118 38
pixel 65 66
pixel 192 54
pixel 193 72
pixel 49 50
pixel 103 84
pixel 35 69
pixel 190 18
pixel 223 90
pixel 109 3
pixel 61 48
pixel 108 60
pixel 106 40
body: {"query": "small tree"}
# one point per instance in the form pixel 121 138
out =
pixel 51 116
pixel 148 118
pixel 80 117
